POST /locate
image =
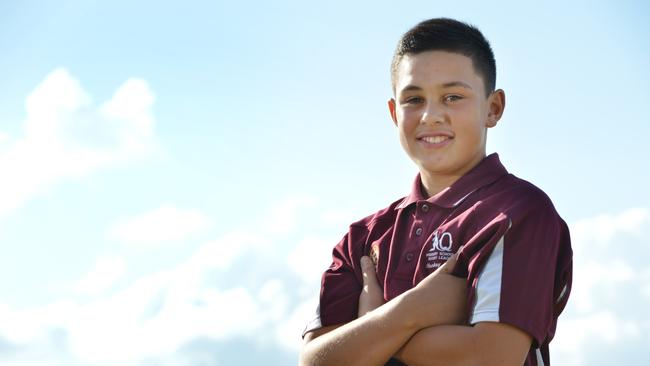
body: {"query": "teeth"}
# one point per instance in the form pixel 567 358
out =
pixel 435 139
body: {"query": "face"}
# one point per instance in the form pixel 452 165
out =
pixel 442 112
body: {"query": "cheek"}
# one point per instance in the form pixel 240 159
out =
pixel 471 131
pixel 399 114
pixel 408 119
pixel 469 125
pixel 403 139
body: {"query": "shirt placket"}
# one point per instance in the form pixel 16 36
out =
pixel 414 238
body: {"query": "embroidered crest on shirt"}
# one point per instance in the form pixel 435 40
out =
pixel 440 250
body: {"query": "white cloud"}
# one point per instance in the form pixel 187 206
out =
pixel 106 271
pixel 310 258
pixel 65 136
pixel 341 217
pixel 610 296
pixel 575 333
pixel 599 231
pixel 167 223
pixel 28 326
pixel 272 297
pixel 282 217
pixel 222 252
pixel 154 316
pixel 295 322
pixel 124 332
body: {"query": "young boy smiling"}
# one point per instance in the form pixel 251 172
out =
pixel 474 266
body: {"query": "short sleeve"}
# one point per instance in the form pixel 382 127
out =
pixel 525 280
pixel 341 283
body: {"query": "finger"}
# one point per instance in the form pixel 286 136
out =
pixel 368 270
pixel 450 264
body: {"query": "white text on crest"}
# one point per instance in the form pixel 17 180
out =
pixel 441 243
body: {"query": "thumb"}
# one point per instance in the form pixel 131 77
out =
pixel 368 270
pixel 450 264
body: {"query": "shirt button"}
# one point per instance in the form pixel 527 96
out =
pixel 425 207
pixel 418 231
pixel 409 257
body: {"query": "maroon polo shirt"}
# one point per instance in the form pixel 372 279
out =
pixel 515 252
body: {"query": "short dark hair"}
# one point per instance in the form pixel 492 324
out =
pixel 444 34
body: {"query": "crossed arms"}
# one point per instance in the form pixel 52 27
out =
pixel 423 326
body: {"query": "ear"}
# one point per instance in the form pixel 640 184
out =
pixel 391 109
pixel 496 105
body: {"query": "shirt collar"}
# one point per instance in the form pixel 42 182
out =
pixel 487 171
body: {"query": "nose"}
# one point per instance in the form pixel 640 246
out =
pixel 432 114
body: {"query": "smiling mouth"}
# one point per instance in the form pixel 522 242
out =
pixel 434 139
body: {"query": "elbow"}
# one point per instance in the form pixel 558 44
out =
pixel 309 356
pixel 305 358
pixel 302 360
pixel 305 361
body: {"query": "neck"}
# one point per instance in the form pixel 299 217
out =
pixel 434 183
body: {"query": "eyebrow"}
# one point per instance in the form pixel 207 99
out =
pixel 456 83
pixel 450 84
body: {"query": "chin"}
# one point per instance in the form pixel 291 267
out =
pixel 435 168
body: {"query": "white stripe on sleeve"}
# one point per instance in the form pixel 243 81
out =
pixel 314 324
pixel 540 360
pixel 488 288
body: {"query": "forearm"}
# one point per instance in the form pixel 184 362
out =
pixel 484 344
pixel 368 340
pixel 439 345
pixel 374 338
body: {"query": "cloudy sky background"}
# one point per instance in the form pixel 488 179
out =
pixel 173 176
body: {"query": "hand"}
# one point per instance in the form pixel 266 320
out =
pixel 372 295
pixel 441 291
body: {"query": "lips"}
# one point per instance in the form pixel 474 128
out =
pixel 436 138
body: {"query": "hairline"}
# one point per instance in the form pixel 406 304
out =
pixel 397 59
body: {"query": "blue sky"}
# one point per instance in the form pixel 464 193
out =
pixel 175 175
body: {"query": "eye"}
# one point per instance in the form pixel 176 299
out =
pixel 452 98
pixel 412 100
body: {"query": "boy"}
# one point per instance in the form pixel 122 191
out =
pixel 474 266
